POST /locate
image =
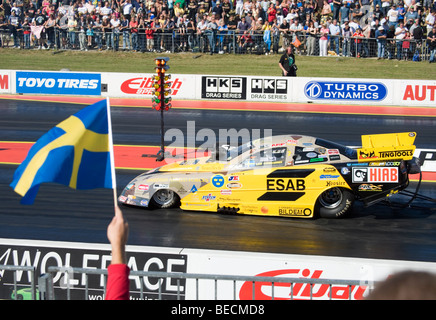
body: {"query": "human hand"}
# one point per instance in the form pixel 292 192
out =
pixel 117 233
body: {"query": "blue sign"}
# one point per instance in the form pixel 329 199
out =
pixel 58 83
pixel 218 181
pixel 332 90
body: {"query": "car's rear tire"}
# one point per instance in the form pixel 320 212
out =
pixel 165 198
pixel 335 203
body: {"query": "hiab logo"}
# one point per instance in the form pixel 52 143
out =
pixel 298 291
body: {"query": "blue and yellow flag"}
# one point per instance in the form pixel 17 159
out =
pixel 75 153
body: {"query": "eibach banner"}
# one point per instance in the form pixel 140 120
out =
pixel 136 85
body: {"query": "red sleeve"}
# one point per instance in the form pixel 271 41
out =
pixel 117 282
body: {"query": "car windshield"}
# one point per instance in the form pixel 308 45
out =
pixel 346 151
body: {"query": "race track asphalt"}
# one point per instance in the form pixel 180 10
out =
pixel 62 214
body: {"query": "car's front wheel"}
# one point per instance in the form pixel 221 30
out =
pixel 165 198
pixel 335 203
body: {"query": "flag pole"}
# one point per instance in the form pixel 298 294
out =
pixel 111 152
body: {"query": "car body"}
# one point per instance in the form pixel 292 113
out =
pixel 287 176
pixel 24 294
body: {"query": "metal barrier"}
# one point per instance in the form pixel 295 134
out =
pixel 47 282
pixel 33 292
pixel 225 42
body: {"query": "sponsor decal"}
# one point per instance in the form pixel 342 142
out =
pixel 161 186
pixel 285 184
pixel 370 187
pixel 58 83
pixel 396 154
pixel 143 187
pixel 233 178
pixel 298 291
pixel 332 151
pixel 144 86
pixel 375 174
pixel 286 211
pixel 234 185
pixel 384 154
pixel 332 90
pixel 208 197
pixel 329 177
pixel 224 88
pixel 345 171
pixel 218 181
pixel 367 155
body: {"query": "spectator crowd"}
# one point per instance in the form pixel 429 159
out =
pixel 361 28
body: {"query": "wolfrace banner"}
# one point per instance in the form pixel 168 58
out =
pixel 89 257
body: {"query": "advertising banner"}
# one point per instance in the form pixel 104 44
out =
pixel 43 254
pixel 58 83
pixel 415 92
pixel 137 85
pixel 5 82
pixel 224 87
pixel 350 91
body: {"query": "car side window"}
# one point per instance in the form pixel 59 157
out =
pixel 275 157
pixel 309 155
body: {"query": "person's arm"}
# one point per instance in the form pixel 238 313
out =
pixel 118 271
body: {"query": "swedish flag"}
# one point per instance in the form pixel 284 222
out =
pixel 75 153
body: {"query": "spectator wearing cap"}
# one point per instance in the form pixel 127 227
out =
pixel 400 33
pixel 401 12
pixel 218 10
pixel 380 35
pixel 392 16
pixel 412 13
pixel 377 13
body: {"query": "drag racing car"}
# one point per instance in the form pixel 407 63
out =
pixel 287 176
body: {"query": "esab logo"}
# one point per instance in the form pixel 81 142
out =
pixel 224 88
pixel 360 91
pixel 375 174
pixel 285 184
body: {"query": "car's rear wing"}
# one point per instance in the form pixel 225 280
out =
pixel 389 146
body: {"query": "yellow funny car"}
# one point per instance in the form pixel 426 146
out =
pixel 288 176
